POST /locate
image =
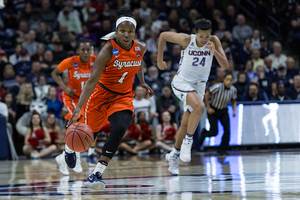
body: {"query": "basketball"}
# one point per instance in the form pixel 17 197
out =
pixel 79 137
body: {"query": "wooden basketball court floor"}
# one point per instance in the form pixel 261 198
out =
pixel 240 175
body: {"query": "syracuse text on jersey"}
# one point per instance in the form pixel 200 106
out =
pixel 81 75
pixel 120 64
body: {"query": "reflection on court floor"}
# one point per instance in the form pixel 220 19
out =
pixel 248 175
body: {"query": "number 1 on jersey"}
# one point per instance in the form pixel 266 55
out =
pixel 122 77
pixel 82 83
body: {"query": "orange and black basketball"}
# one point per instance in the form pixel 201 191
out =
pixel 79 137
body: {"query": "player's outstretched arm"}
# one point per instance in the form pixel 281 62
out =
pixel 216 48
pixel 102 58
pixel 179 38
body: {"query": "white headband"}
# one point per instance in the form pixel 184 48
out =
pixel 124 19
pixel 112 35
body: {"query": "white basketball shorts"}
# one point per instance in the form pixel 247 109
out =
pixel 181 88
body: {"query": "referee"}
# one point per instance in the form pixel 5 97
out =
pixel 220 94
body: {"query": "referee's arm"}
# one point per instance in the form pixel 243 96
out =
pixel 233 102
pixel 207 96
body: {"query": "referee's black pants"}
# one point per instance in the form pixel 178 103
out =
pixel 221 115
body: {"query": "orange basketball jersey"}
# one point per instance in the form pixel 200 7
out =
pixel 78 72
pixel 119 72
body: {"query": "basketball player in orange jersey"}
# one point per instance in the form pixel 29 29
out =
pixel 108 92
pixel 79 70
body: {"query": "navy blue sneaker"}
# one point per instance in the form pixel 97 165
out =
pixel 70 159
pixel 94 181
pixel 90 160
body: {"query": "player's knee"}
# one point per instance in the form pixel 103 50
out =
pixel 199 108
pixel 119 130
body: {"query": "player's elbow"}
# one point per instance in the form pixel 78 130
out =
pixel 54 73
pixel 225 65
pixel 163 36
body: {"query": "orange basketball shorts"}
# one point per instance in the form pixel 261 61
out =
pixel 71 103
pixel 102 103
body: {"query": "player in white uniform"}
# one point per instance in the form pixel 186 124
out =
pixel 189 83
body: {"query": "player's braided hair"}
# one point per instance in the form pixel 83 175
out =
pixel 124 12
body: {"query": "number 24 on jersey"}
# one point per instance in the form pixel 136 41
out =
pixel 196 60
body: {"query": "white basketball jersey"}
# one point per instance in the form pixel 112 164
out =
pixel 195 62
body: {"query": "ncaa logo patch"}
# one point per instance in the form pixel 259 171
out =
pixel 138 54
pixel 115 51
pixel 75 64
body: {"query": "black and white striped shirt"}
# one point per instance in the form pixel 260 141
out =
pixel 221 95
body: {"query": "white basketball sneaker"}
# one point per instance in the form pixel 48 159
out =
pixel 78 167
pixel 185 150
pixel 60 160
pixel 173 161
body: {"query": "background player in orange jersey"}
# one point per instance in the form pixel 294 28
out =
pixel 108 92
pixel 79 70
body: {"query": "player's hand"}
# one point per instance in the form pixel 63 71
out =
pixel 233 114
pixel 149 92
pixel 74 116
pixel 70 91
pixel 210 111
pixel 161 65
pixel 211 47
